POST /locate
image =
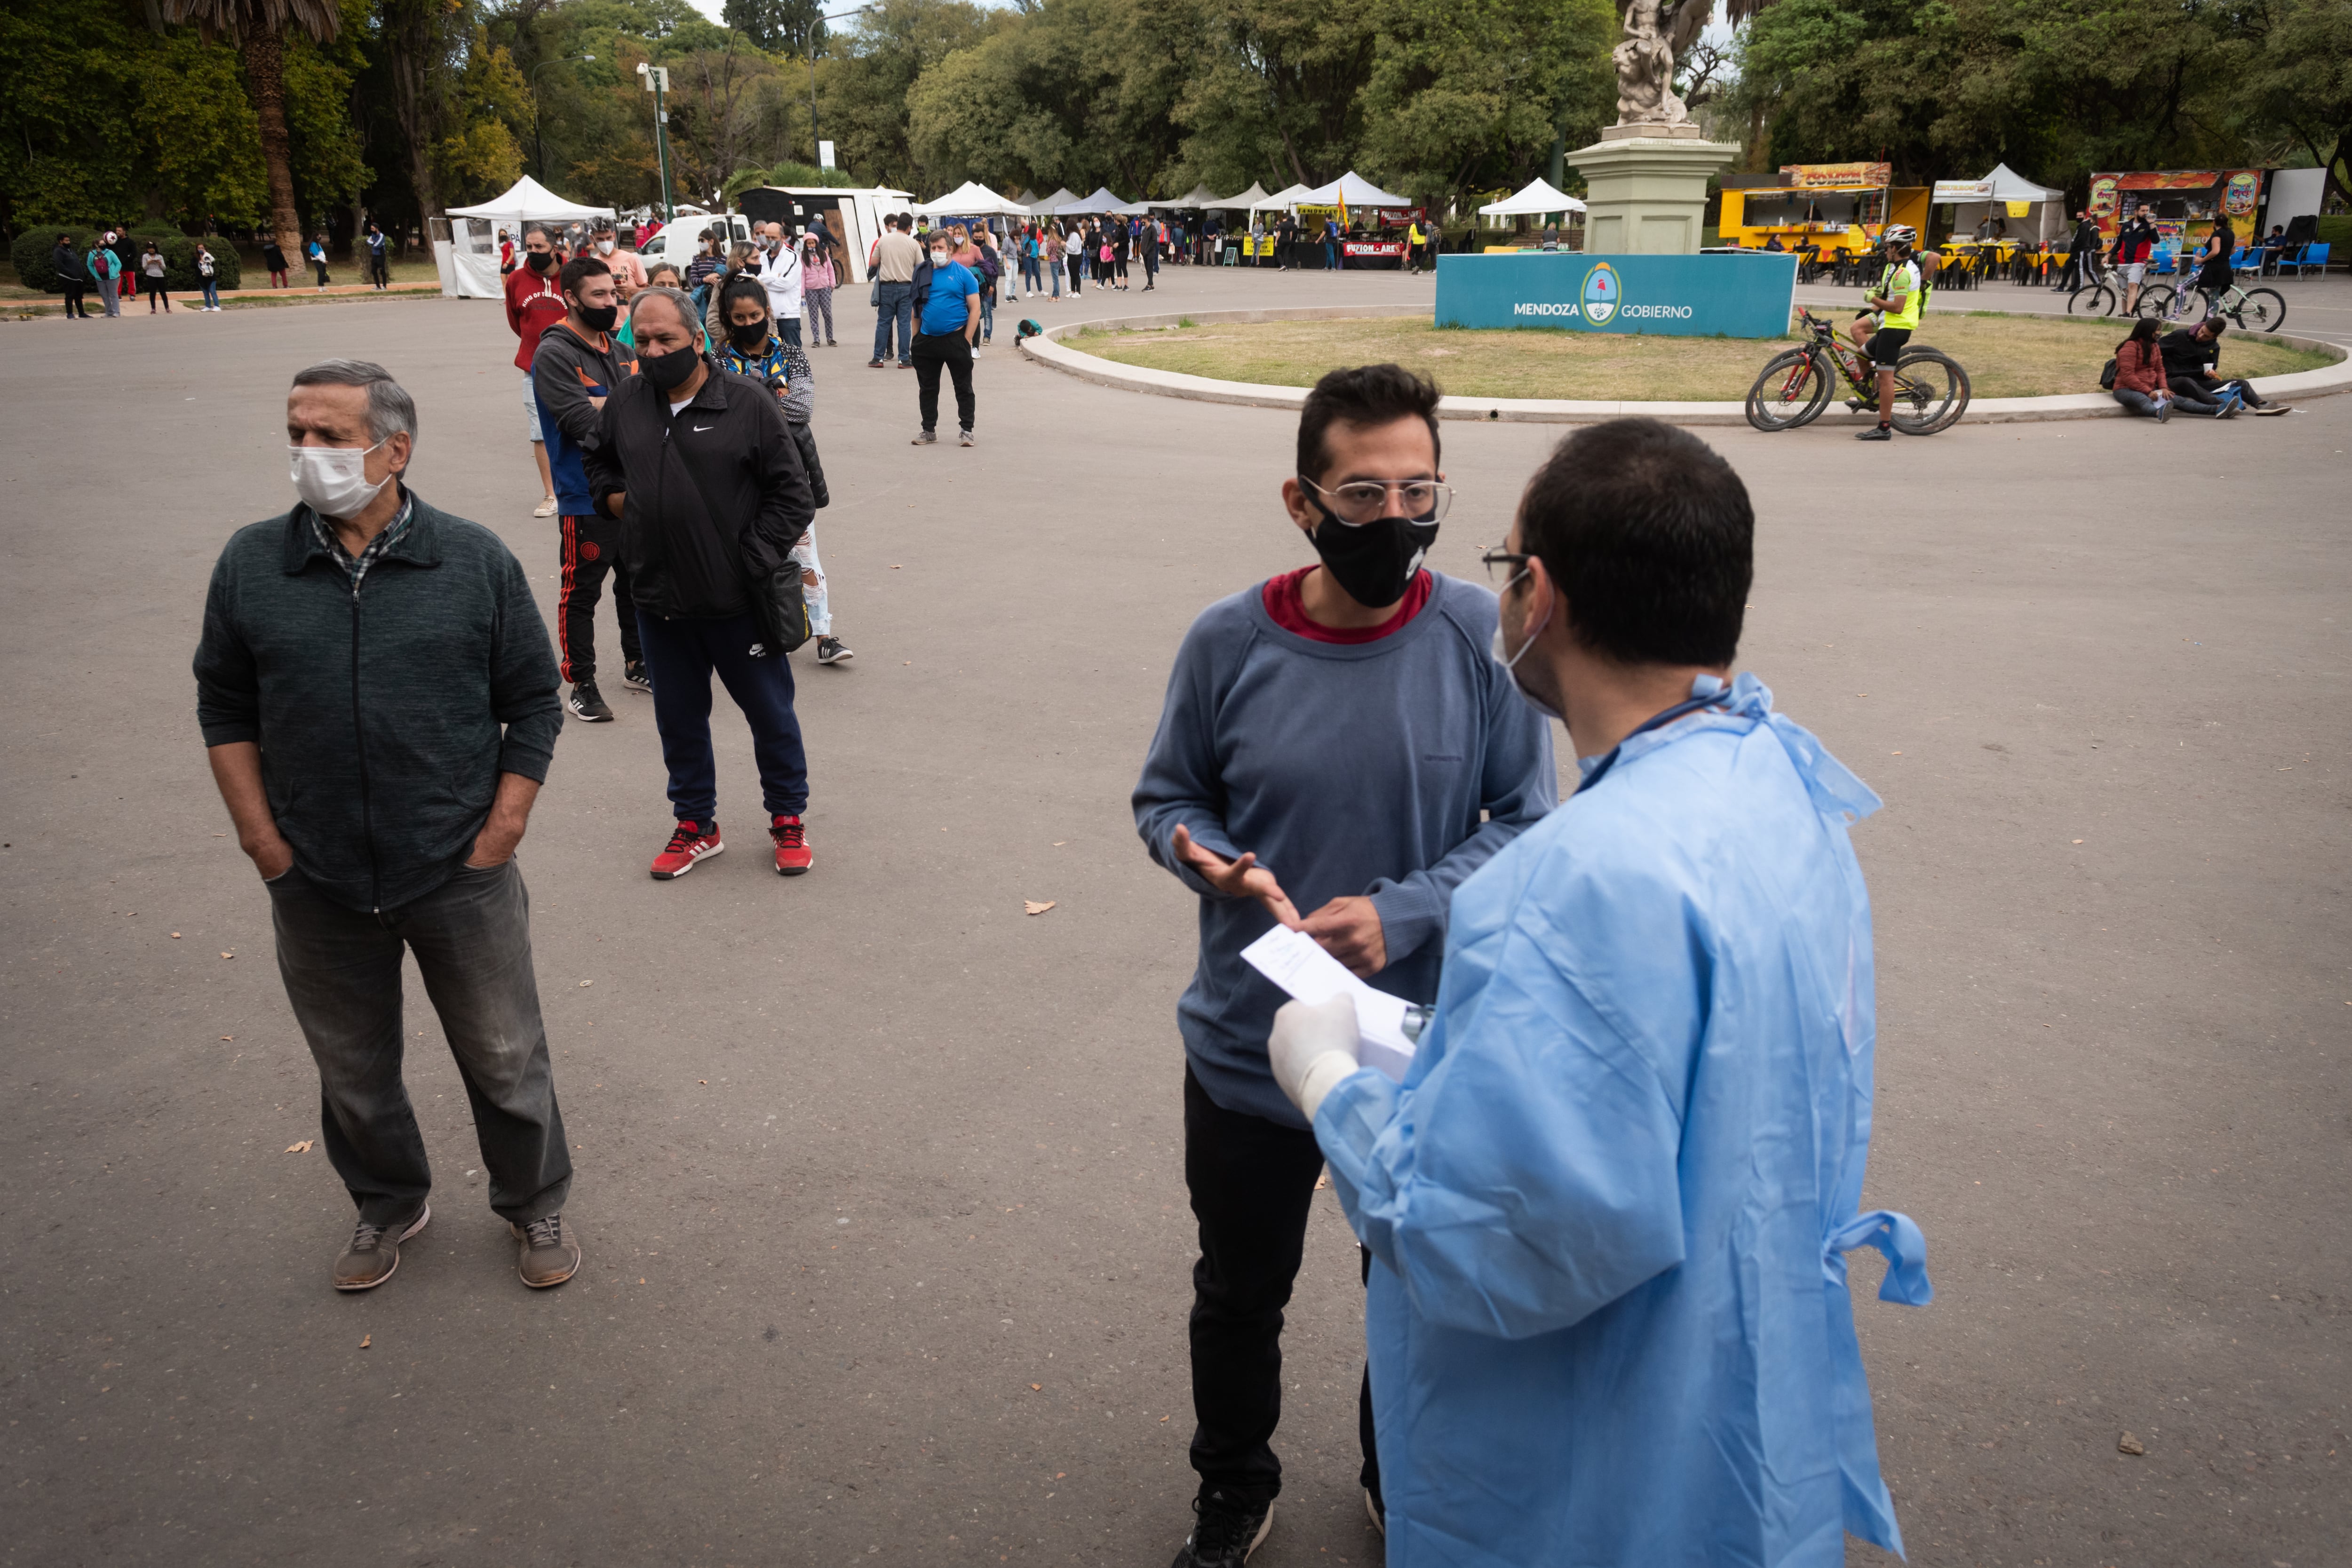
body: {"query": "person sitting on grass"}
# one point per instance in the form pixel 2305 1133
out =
pixel 2189 356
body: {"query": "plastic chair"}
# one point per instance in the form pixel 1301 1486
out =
pixel 2313 256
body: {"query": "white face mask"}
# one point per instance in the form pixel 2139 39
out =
pixel 1510 665
pixel 939 259
pixel 604 248
pixel 332 480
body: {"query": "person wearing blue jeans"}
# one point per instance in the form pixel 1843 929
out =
pixel 896 257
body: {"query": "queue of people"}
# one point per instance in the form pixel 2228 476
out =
pixel 1607 1316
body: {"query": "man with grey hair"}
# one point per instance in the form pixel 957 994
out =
pixel 379 705
pixel 534 304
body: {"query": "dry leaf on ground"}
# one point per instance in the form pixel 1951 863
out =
pixel 1031 906
pixel 302 1148
pixel 229 955
pixel 2128 1444
pixel 366 1340
pixel 1037 1388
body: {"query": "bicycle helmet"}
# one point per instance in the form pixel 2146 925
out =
pixel 1901 234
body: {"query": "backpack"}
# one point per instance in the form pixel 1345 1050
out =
pixel 2108 376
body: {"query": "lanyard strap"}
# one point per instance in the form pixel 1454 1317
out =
pixel 1662 717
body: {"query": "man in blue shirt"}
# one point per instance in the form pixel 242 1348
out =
pixel 947 317
pixel 1337 752
pixel 1611 1200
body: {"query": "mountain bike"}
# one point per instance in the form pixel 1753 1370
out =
pixel 1931 390
pixel 2251 310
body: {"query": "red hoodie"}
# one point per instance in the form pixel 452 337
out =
pixel 534 304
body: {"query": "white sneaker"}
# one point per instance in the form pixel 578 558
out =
pixel 544 509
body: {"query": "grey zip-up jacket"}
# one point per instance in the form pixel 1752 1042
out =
pixel 385 715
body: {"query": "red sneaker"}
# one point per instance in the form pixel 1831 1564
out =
pixel 688 845
pixel 792 845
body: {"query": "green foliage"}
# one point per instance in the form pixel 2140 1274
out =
pixel 781 26
pixel 30 252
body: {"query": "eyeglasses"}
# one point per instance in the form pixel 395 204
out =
pixel 1502 565
pixel 1361 500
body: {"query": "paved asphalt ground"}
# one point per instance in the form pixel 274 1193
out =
pixel 880 1179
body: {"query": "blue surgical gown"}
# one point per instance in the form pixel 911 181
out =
pixel 1611 1198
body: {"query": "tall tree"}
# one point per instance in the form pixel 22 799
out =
pixel 259 27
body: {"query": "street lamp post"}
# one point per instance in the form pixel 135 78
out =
pixel 538 141
pixel 658 83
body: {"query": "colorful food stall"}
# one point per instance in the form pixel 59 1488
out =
pixel 1830 209
pixel 2182 203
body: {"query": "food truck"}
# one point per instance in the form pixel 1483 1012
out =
pixel 1823 207
pixel 2182 203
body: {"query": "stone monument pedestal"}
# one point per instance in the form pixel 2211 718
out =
pixel 1645 188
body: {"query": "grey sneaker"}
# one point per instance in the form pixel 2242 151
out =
pixel 963 438
pixel 548 1255
pixel 925 438
pixel 374 1252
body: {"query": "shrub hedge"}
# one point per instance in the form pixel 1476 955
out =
pixel 31 253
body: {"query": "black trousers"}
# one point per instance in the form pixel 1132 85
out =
pixel 1251 1183
pixel 931 351
pixel 591 547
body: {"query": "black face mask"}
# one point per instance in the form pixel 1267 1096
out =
pixel 539 260
pixel 600 318
pixel 1373 563
pixel 668 371
pixel 751 339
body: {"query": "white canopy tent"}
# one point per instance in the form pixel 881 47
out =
pixel 469 260
pixel 1353 190
pixel 2002 193
pixel 1198 197
pixel 1536 197
pixel 970 199
pixel 1053 203
pixel 1281 199
pixel 1102 203
pixel 1244 201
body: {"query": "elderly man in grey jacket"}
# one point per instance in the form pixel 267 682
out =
pixel 379 704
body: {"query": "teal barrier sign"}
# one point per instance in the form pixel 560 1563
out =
pixel 1745 296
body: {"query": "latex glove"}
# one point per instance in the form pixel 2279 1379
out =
pixel 1313 1047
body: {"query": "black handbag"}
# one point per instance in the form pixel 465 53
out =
pixel 2108 376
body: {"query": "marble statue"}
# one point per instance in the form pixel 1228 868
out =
pixel 1656 31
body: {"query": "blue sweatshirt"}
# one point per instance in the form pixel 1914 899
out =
pixel 1349 769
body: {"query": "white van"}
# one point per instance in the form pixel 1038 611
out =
pixel 676 243
pixel 850 215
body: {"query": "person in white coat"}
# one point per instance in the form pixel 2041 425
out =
pixel 780 272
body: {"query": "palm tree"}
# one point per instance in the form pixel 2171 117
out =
pixel 259 27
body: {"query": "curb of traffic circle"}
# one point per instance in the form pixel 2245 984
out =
pixel 1049 349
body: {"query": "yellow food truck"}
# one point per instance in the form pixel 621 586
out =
pixel 1828 208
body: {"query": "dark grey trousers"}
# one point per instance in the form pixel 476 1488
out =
pixel 471 937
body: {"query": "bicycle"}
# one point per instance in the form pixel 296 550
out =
pixel 2097 296
pixel 2250 310
pixel 1931 390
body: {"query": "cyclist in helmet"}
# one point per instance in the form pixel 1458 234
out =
pixel 1897 298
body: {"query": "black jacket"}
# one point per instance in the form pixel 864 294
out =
pixel 2185 357
pixel 716 497
pixel 384 717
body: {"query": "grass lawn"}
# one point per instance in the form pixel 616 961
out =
pixel 2005 356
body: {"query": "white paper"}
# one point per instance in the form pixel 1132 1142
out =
pixel 1297 963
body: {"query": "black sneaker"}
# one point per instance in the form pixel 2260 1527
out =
pixel 587 705
pixel 1876 433
pixel 633 674
pixel 1231 1526
pixel 833 651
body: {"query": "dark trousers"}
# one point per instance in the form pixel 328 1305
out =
pixel 471 937
pixel 1251 1183
pixel 379 270
pixel 74 307
pixel 2210 390
pixel 1077 271
pixel 933 350
pixel 680 657
pixel 591 547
